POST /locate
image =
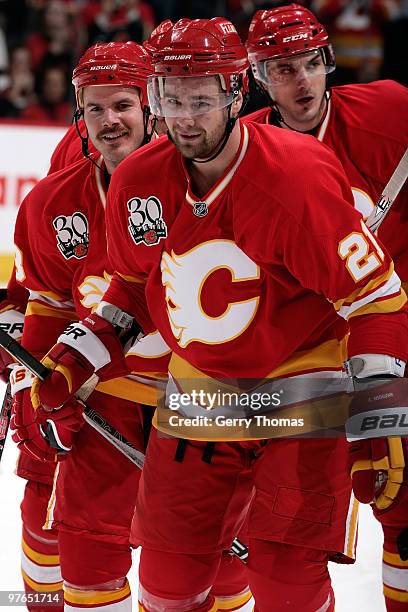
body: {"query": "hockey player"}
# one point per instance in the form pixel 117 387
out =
pixel 366 125
pixel 61 259
pixel 246 247
pixel 231 585
pixel 39 554
pixel 72 147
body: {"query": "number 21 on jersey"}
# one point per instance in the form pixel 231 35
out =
pixel 361 252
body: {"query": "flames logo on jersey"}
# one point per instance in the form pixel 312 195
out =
pixel 93 288
pixel 183 277
pixel 146 223
pixel 72 235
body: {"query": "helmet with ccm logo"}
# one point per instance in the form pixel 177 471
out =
pixel 200 48
pixel 116 63
pixel 286 31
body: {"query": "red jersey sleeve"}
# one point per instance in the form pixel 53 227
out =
pixel 318 236
pixel 37 268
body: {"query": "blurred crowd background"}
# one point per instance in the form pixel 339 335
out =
pixel 41 41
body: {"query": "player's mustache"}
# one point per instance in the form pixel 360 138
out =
pixel 114 132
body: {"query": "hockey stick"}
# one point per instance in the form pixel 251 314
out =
pixel 93 418
pixel 391 190
pixel 5 414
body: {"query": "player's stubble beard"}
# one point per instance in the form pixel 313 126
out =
pixel 207 145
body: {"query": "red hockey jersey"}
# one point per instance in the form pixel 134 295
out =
pixel 367 127
pixel 69 148
pixel 246 281
pixel 61 259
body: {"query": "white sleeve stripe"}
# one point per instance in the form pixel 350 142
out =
pixel 39 297
pixel 392 286
pixel 45 574
pixel 88 344
pixel 394 577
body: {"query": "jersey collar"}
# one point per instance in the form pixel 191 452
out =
pixel 322 129
pixel 100 181
pixel 223 182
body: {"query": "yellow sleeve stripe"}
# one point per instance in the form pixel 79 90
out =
pixel 383 306
pixel 6 308
pixel 351 540
pixel 39 558
pixel 329 355
pixel 131 390
pixel 395 595
pixel 234 602
pixel 362 291
pixel 131 279
pixel 73 596
pixel 33 308
pixel 391 288
pixel 213 608
pixel 41 587
pixel 394 559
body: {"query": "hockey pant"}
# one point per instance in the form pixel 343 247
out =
pixel 105 590
pixel 281 577
pixel 40 564
pixel 301 514
pixel 394 569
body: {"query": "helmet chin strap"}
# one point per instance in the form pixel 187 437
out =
pixel 280 119
pixel 146 116
pixel 84 139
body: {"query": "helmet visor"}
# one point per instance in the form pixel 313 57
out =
pixel 187 96
pixel 286 70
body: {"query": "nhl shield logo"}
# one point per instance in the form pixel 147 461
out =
pixel 146 223
pixel 200 209
pixel 72 235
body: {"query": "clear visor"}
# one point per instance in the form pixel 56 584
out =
pixel 284 70
pixel 187 96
